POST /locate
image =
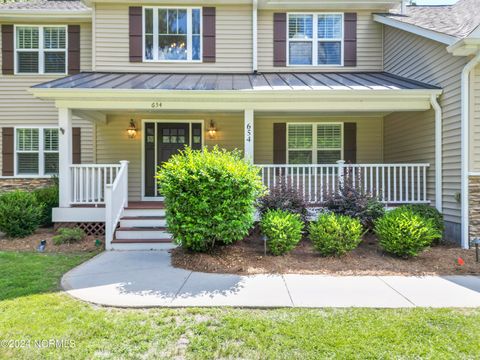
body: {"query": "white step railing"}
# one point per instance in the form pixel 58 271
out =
pixel 116 199
pixel 390 183
pixel 89 182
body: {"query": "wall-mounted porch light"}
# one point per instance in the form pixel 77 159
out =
pixel 132 129
pixel 212 130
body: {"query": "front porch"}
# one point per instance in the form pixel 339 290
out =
pixel 384 137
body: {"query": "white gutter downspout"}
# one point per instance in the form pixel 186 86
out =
pixel 254 35
pixel 438 153
pixel 465 147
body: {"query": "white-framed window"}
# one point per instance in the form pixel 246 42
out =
pixel 172 34
pixel 40 49
pixel 315 39
pixel 36 151
pixel 314 143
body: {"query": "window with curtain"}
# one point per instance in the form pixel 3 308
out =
pixel 172 34
pixel 41 49
pixel 36 151
pixel 314 143
pixel 315 39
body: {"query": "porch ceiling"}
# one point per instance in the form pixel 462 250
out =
pixel 332 91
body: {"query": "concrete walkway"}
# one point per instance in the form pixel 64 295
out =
pixel 146 279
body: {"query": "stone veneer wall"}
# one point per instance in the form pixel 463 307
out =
pixel 474 206
pixel 10 184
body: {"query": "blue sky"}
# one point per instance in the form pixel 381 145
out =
pixel 435 2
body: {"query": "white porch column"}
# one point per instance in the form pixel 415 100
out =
pixel 438 153
pixel 64 155
pixel 249 134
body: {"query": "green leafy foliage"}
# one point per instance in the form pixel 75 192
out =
pixel 68 236
pixel 429 212
pixel 402 232
pixel 210 197
pixel 335 234
pixel 282 229
pixel 48 197
pixel 351 202
pixel 283 197
pixel 20 213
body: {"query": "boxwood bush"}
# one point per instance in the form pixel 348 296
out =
pixel 210 197
pixel 20 213
pixel 283 230
pixel 48 197
pixel 68 236
pixel 429 212
pixel 402 232
pixel 335 234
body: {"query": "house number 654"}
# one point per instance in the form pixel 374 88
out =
pixel 156 105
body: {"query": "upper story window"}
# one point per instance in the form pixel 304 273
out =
pixel 315 39
pixel 36 151
pixel 40 49
pixel 315 143
pixel 172 34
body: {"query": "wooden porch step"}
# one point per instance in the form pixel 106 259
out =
pixel 141 241
pixel 136 205
pixel 143 217
pixel 139 228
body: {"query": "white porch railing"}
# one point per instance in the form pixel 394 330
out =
pixel 116 199
pixel 89 182
pixel 390 183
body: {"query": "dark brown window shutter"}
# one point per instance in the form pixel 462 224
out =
pixel 280 39
pixel 7 50
pixel 135 33
pixel 73 49
pixel 76 145
pixel 209 34
pixel 7 151
pixel 280 143
pixel 350 40
pixel 350 142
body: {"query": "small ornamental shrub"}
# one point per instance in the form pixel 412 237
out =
pixel 283 197
pixel 429 212
pixel 48 197
pixel 282 229
pixel 335 234
pixel 210 197
pixel 349 201
pixel 68 236
pixel 20 213
pixel 404 233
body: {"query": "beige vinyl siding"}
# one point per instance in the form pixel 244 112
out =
pixel 369 45
pixel 425 60
pixel 113 144
pixel 409 137
pixel 475 122
pixel 233 42
pixel 19 108
pixel 369 135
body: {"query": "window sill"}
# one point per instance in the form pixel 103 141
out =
pixel 174 61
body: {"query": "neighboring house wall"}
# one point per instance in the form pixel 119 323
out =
pixel 425 60
pixel 233 42
pixel 369 135
pixel 369 45
pixel 113 144
pixel 19 108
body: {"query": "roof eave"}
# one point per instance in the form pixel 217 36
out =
pixel 465 47
pixel 417 30
pixel 41 15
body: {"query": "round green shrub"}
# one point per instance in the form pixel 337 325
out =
pixel 48 197
pixel 429 212
pixel 210 197
pixel 404 233
pixel 68 236
pixel 20 213
pixel 282 229
pixel 335 234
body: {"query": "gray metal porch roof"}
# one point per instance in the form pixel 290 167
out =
pixel 237 82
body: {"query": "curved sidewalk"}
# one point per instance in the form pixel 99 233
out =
pixel 146 279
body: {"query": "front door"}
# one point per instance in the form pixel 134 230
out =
pixel 162 140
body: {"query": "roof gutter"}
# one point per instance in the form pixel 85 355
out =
pixel 465 146
pixel 39 15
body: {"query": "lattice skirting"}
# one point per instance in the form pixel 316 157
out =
pixel 90 228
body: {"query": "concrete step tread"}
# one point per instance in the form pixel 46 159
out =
pixel 149 228
pixel 141 241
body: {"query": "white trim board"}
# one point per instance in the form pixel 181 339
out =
pixel 429 34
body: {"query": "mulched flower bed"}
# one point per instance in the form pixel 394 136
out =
pixel 247 257
pixel 31 242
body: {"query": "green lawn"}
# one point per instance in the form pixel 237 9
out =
pixel 35 311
